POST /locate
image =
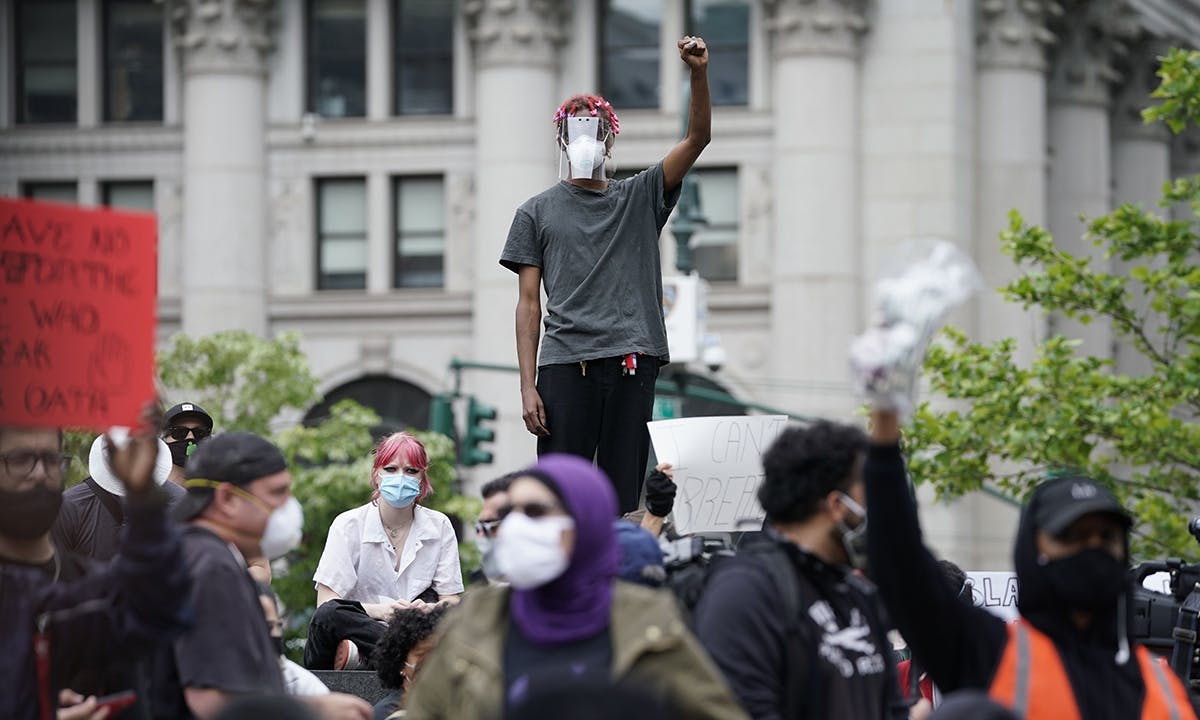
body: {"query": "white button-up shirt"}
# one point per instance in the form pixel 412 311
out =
pixel 359 562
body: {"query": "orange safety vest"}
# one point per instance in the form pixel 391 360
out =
pixel 1032 682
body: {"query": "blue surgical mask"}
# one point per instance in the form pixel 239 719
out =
pixel 398 489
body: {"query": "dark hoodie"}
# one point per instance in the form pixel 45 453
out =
pixel 960 646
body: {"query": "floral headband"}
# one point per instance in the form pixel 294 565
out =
pixel 595 105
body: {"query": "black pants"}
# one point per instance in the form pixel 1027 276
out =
pixel 334 621
pixel 599 413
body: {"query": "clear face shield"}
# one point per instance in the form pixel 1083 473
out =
pixel 585 148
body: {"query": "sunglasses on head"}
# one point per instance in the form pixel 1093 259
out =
pixel 532 510
pixel 178 432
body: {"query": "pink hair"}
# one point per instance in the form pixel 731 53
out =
pixel 403 449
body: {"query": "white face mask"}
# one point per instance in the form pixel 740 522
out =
pixel 529 552
pixel 584 151
pixel 487 561
pixel 285 528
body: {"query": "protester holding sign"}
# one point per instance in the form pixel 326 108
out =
pixel 564 619
pixel 796 631
pixel 84 619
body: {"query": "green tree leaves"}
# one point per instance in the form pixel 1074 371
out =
pixel 1007 425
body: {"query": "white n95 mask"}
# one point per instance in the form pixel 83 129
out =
pixel 529 552
pixel 285 529
pixel 584 150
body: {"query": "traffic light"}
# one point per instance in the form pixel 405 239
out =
pixel 470 452
pixel 441 416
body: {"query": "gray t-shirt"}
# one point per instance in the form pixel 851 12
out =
pixel 598 251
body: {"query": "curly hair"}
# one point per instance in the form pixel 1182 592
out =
pixel 405 631
pixel 804 465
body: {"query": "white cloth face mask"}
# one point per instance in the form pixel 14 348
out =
pixel 584 150
pixel 529 552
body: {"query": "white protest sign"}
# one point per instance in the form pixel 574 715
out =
pixel 995 592
pixel 717 464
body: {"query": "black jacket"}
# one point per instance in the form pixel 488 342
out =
pixel 960 645
pixel 114 612
pixel 846 664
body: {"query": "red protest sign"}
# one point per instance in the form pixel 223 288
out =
pixel 77 309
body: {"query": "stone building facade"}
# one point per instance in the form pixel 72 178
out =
pixel 348 169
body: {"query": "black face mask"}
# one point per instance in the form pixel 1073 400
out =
pixel 1089 580
pixel 180 451
pixel 28 514
pixel 277 643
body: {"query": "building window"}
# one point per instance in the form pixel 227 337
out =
pixel 133 61
pixel 715 247
pixel 420 232
pixel 423 67
pixel 629 50
pixel 129 194
pixel 46 61
pixel 341 234
pixel 337 58
pixel 725 27
pixel 67 192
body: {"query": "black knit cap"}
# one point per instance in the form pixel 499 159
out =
pixel 238 458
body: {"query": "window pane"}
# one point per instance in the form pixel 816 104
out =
pixel 343 207
pixel 337 57
pixel 46 67
pixel 423 40
pixel 130 195
pixel 725 27
pixel 629 48
pixel 341 234
pixel 133 52
pixel 57 191
pixel 714 247
pixel 420 232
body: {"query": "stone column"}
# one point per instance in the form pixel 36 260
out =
pixel 1080 178
pixel 1012 40
pixel 223 44
pixel 815 309
pixel 1141 163
pixel 516 46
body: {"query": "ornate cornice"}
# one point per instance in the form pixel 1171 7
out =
pixel 1093 36
pixel 516 32
pixel 1138 69
pixel 222 35
pixel 1015 33
pixel 816 27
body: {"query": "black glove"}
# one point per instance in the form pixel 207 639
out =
pixel 660 493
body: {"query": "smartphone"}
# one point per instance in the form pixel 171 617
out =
pixel 117 702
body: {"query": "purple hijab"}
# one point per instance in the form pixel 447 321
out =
pixel 576 604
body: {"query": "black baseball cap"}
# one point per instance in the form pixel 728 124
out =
pixel 187 408
pixel 1061 501
pixel 235 457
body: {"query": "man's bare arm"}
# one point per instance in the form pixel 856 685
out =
pixel 529 320
pixel 676 164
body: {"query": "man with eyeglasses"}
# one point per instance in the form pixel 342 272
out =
pixel 236 483
pixel 495 497
pixel 184 427
pixel 83 617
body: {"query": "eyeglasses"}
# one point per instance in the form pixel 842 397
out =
pixel 20 463
pixel 179 432
pixel 530 510
pixel 487 528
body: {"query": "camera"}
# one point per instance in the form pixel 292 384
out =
pixel 1166 622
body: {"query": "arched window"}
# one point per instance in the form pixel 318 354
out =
pixel 672 405
pixel 400 404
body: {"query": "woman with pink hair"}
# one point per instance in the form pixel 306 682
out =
pixel 390 554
